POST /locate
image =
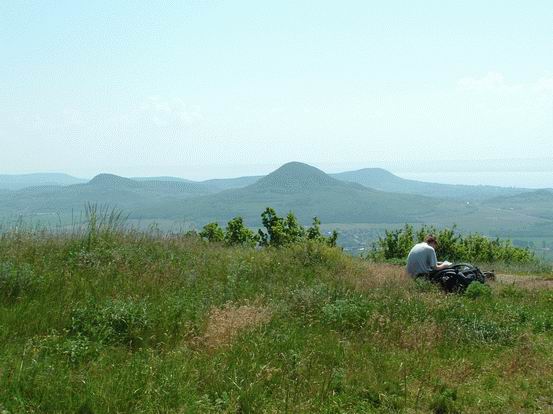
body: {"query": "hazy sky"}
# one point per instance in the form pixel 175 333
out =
pixel 204 88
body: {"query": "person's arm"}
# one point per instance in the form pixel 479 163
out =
pixel 435 264
pixel 442 265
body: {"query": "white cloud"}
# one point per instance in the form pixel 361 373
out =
pixel 545 85
pixel 496 82
pixel 162 112
pixel 491 80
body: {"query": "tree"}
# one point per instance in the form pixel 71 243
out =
pixel 238 234
pixel 280 231
pixel 275 235
pixel 213 233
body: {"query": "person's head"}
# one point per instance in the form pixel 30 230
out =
pixel 431 241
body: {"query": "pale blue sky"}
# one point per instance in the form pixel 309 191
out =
pixel 208 88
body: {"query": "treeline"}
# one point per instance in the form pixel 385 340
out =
pixel 395 245
pixel 279 231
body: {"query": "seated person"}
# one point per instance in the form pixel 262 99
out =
pixel 422 259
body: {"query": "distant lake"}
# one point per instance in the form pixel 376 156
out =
pixel 541 179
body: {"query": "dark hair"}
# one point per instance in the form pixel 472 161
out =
pixel 431 239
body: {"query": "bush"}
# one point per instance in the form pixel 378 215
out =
pixel 74 349
pixel 237 234
pixel 347 313
pixel 278 232
pixel 453 246
pixel 15 281
pixel 444 402
pixel 113 322
pixel 478 290
pixel 212 232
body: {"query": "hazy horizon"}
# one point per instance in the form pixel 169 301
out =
pixel 530 173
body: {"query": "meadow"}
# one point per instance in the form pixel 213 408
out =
pixel 112 320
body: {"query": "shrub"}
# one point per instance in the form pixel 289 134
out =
pixel 237 234
pixel 283 231
pixel 212 232
pixel 453 246
pixel 444 402
pixel 16 281
pixel 347 313
pixel 478 290
pixel 75 348
pixel 115 321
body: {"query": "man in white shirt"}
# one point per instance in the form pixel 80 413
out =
pixel 422 258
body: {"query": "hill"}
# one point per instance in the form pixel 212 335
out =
pixel 295 186
pixel 123 322
pixel 308 192
pixel 537 203
pixel 162 178
pixel 17 182
pixel 220 184
pixel 383 180
pixel 109 189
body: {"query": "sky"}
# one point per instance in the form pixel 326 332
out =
pixel 203 89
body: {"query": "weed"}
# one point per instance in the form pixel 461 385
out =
pixel 16 281
pixel 348 313
pixel 114 321
pixel 478 290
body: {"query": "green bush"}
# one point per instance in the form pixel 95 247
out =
pixel 16 281
pixel 279 231
pixel 453 246
pixel 444 402
pixel 237 234
pixel 115 321
pixel 347 313
pixel 212 232
pixel 478 290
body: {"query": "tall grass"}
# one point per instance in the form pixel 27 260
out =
pixel 110 319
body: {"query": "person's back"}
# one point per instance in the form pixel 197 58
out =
pixel 422 259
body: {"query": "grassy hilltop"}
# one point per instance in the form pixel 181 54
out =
pixel 110 321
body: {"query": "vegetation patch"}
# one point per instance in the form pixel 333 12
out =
pixel 300 327
pixel 114 321
pixel 227 322
pixel 17 280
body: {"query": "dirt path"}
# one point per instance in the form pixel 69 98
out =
pixel 526 282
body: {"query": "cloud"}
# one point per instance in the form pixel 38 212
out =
pixel 492 80
pixel 545 85
pixel 496 82
pixel 162 112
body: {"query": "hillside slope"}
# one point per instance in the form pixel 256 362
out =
pixel 537 203
pixel 19 181
pixel 107 189
pixel 308 192
pixel 383 180
pixel 137 323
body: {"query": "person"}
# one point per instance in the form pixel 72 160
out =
pixel 422 260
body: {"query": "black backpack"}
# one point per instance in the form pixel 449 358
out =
pixel 456 278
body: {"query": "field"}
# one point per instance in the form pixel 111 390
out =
pixel 109 320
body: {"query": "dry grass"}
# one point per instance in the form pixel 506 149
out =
pixel 225 323
pixel 525 282
pixel 366 276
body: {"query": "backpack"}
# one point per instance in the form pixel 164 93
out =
pixel 458 277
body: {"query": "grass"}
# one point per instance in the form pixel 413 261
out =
pixel 111 320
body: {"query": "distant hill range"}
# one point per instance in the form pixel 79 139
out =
pixel 17 182
pixel 538 203
pixel 375 178
pixel 308 192
pixel 365 196
pixel 383 180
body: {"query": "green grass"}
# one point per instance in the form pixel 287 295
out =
pixel 108 320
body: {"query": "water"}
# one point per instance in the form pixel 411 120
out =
pixel 539 179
